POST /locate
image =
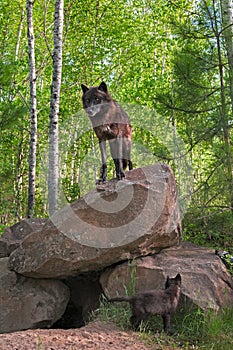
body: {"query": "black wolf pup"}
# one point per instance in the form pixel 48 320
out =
pixel 154 302
pixel 110 122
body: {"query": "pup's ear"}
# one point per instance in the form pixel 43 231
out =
pixel 84 88
pixel 103 87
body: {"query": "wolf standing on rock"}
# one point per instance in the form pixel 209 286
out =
pixel 110 122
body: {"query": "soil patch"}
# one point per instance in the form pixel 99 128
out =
pixel 94 336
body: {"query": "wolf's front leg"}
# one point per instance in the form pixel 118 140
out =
pixel 119 169
pixel 103 171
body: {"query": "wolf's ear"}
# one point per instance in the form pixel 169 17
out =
pixel 84 88
pixel 103 87
pixel 178 277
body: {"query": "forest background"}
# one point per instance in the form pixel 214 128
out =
pixel 170 63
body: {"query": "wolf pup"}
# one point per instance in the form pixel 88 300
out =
pixel 110 122
pixel 154 302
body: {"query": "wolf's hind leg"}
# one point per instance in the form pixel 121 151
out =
pixel 116 153
pixel 127 153
pixel 130 165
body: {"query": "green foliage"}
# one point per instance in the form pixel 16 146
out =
pixel 195 329
pixel 211 330
pixel 111 312
pixel 160 57
pixel 2 228
pixel 213 229
pixel 120 314
pixel 227 259
pixel 151 142
pixel 39 346
pixel 192 327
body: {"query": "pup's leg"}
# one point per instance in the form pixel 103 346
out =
pixel 137 318
pixel 166 323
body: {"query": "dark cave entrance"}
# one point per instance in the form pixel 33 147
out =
pixel 85 293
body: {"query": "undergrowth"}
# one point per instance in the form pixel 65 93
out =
pixel 195 329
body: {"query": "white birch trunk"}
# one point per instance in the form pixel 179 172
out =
pixel 20 28
pixel 53 176
pixel 227 31
pixel 33 112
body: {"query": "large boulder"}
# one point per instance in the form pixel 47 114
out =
pixel 13 236
pixel 117 221
pixel 29 303
pixel 205 280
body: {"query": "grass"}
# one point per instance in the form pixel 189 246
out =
pixel 111 312
pixel 195 329
pixel 39 345
pixel 192 327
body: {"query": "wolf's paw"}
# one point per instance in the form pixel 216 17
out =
pixel 101 181
pixel 120 175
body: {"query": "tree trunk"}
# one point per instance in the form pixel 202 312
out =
pixel 227 32
pixel 53 176
pixel 20 28
pixel 33 112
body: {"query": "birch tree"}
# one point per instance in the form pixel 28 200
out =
pixel 53 176
pixel 33 111
pixel 227 32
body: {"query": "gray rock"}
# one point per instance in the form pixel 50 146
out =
pixel 29 303
pixel 205 280
pixel 117 221
pixel 12 236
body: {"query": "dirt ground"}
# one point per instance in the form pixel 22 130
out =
pixel 94 336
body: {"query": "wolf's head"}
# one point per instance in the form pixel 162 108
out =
pixel 176 281
pixel 94 98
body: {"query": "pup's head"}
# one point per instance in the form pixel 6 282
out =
pixel 176 281
pixel 94 97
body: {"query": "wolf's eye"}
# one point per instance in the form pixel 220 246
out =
pixel 97 99
pixel 87 100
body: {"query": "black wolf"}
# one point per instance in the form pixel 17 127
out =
pixel 154 302
pixel 110 122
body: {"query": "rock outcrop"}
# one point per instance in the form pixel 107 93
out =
pixel 14 235
pixel 119 220
pixel 29 303
pixel 123 234
pixel 205 280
